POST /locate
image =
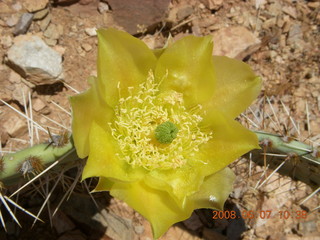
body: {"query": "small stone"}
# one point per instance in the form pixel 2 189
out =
pixel 41 14
pixel 51 42
pixel 23 24
pixel 103 7
pixel 184 12
pixel 4 8
pixel 45 23
pixel 12 20
pixel 91 31
pixel 15 126
pixel 17 6
pixel 139 229
pixel 38 105
pixel 20 93
pixel 235 42
pixel 33 6
pixel 87 47
pixel 291 11
pixel 6 41
pixel 35 60
pixel 295 36
pixel 14 77
pixel 52 32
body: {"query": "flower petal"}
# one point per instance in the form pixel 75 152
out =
pixel 236 86
pixel 156 206
pixel 86 108
pixel 230 140
pixel 178 183
pixel 122 59
pixel 213 192
pixel 103 160
pixel 189 65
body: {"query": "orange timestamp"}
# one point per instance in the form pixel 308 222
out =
pixel 262 214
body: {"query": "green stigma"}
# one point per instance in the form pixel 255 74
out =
pixel 166 132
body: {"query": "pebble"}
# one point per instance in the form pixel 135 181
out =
pixel 41 14
pixel 35 60
pixel 38 105
pixel 184 12
pixel 14 77
pixel 91 31
pixel 45 23
pixel 87 47
pixel 23 24
pixel 20 93
pixel 17 6
pixel 234 42
pixel 6 41
pixel 12 20
pixel 15 126
pixel 52 32
pixel 33 6
pixel 103 7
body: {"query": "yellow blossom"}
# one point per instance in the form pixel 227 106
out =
pixel 158 126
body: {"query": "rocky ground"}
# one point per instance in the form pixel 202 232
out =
pixel 279 39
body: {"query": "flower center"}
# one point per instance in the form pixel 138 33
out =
pixel 155 130
pixel 166 132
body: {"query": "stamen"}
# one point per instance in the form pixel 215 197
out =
pixel 155 130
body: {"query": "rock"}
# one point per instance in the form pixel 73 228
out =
pixel 51 42
pixel 17 6
pixel 134 16
pixel 33 6
pixel 184 12
pixel 4 8
pixel 291 11
pixel 14 126
pixel 12 20
pixel 103 7
pixel 295 36
pixel 52 32
pixel 91 31
pixel 23 24
pixel 38 105
pixel 41 14
pixel 35 60
pixel 45 23
pixel 20 93
pixel 235 42
pixel 87 47
pixel 14 77
pixel 212 4
pixel 139 229
pixel 6 41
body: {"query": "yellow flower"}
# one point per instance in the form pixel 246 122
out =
pixel 158 125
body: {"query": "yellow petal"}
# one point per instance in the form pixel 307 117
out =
pixel 156 206
pixel 178 183
pixel 236 86
pixel 104 184
pixel 213 192
pixel 189 65
pixel 230 140
pixel 122 59
pixel 86 108
pixel 103 160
